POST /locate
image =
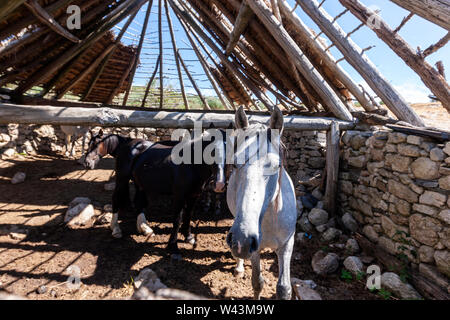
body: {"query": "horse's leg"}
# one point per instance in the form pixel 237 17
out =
pixel 73 146
pixel 257 278
pixel 239 270
pixel 140 203
pixel 67 144
pixel 187 217
pixel 172 246
pixel 284 253
pixel 118 203
pixel 81 160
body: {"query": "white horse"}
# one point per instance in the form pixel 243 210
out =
pixel 73 133
pixel 261 197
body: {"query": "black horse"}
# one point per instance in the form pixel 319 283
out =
pixel 154 172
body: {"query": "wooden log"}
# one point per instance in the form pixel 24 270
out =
pixel 244 16
pixel 354 55
pixel 332 164
pixel 161 56
pixel 177 61
pixel 436 11
pixel 199 93
pixel 304 32
pixel 423 132
pixel 149 84
pixel 115 117
pixel 8 6
pixel 330 98
pixel 117 15
pixel 138 52
pixel 430 76
pixel 438 45
pixel 48 20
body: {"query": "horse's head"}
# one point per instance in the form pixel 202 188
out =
pixel 255 177
pixel 96 150
pixel 217 148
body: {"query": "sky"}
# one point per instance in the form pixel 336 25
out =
pixel 417 32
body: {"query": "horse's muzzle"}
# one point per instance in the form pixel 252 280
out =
pixel 219 187
pixel 242 248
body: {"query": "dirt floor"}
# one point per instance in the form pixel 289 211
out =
pixel 108 266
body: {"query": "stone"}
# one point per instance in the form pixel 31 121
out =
pixel 370 233
pixel 373 167
pixel 147 278
pixel 433 198
pixel 390 228
pixel 403 207
pixel 397 137
pixel 445 237
pixel 426 254
pixel 8 153
pixel 19 177
pixel 402 191
pixel 317 162
pixel 357 141
pixel 318 216
pixel 357 162
pixel 444 171
pixel 416 140
pixel 331 234
pixel 352 246
pixel 437 154
pixel 447 148
pixel 426 169
pixel 424 229
pixel 346 187
pixel 79 200
pixel 391 148
pixel 377 154
pixel 442 259
pixel 388 245
pixel 303 290
pixel 321 228
pixel 392 283
pixel 317 194
pixel 408 150
pixel 444 183
pixel 18 235
pixel 304 223
pixel 444 215
pixel 80 215
pixel 325 263
pixel 349 222
pixel 353 264
pixel 422 208
pixel 41 289
pixel 105 218
pixel 110 186
pixel 309 201
pixel 432 273
pixel 427 146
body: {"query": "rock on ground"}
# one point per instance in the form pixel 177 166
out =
pixel 303 290
pixel 149 279
pixel 79 215
pixel 19 177
pixel 352 246
pixel 324 263
pixel 318 216
pixel 331 234
pixel 392 283
pixel 349 222
pixel 353 264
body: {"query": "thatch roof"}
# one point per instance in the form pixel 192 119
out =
pixel 258 48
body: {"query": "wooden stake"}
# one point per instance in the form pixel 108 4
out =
pixel 332 163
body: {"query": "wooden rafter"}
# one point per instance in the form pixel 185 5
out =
pixel 242 20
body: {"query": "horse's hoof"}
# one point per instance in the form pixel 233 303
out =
pixel 117 233
pixel 175 257
pixel 190 239
pixel 145 230
pixel 238 273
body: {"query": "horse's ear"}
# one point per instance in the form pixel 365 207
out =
pixel 212 126
pixel 240 118
pixel 91 133
pixel 100 133
pixel 276 120
pixel 230 126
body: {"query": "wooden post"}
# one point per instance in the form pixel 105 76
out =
pixel 147 90
pixel 315 45
pixel 161 56
pixel 244 16
pixel 436 11
pixel 138 53
pixel 301 61
pixel 205 103
pixel 48 20
pixel 354 55
pixel 332 163
pixel 430 76
pixel 177 61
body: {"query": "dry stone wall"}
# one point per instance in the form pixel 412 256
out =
pixel 397 187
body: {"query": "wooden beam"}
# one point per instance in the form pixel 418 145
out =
pixel 244 16
pixel 199 93
pixel 430 76
pixel 161 56
pixel 177 61
pixel 8 6
pixel 117 15
pixel 436 11
pixel 48 20
pixel 316 80
pixel 354 55
pixel 316 46
pixel 149 84
pixel 332 164
pixel 114 117
pixel 138 52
